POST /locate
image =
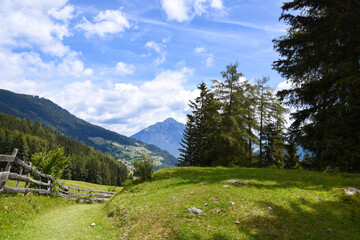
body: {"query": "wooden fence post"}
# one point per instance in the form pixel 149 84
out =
pixel 5 175
pixel 49 181
pixel 18 182
pixel 27 183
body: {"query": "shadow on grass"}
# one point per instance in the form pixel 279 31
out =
pixel 280 178
pixel 324 220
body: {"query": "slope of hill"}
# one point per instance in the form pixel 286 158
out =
pixel 56 118
pixel 166 135
pixel 84 163
pixel 258 203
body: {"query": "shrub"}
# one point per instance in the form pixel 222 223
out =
pixel 143 168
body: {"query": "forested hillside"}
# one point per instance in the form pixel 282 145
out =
pixel 56 118
pixel 85 163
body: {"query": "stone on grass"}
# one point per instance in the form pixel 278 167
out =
pixel 351 191
pixel 231 181
pixel 124 236
pixel 197 211
pixel 218 210
pixel 225 186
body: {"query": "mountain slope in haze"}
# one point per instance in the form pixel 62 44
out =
pixel 166 135
pixel 56 118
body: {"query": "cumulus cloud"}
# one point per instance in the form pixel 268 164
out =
pixel 137 106
pixel 28 25
pixel 159 49
pixel 185 10
pixel 124 68
pixel 106 22
pixel 63 14
pixel 73 66
pixel 207 58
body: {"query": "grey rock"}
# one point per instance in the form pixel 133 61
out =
pixel 351 191
pixel 196 211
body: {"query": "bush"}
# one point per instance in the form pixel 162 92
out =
pixel 143 168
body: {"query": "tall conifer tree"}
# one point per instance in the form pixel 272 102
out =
pixel 320 56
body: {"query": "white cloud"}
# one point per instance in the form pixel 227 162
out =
pixel 207 58
pixel 73 66
pixel 154 46
pixel 124 68
pixel 185 10
pixel 159 49
pixel 176 10
pixel 28 24
pixel 199 50
pixel 63 14
pixel 137 106
pixel 217 4
pixel 283 85
pixel 106 22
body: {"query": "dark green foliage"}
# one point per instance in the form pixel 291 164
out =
pixel 320 57
pixel 41 145
pixel 292 158
pixel 53 162
pixel 144 168
pixel 223 126
pixel 199 144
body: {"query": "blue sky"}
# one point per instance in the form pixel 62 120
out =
pixel 125 64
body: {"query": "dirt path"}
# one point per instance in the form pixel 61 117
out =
pixel 73 222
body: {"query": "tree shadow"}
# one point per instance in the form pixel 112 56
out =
pixel 275 178
pixel 304 220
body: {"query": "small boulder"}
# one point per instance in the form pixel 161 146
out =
pixel 351 191
pixel 197 211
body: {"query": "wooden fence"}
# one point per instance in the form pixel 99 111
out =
pixel 45 184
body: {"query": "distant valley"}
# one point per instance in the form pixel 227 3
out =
pixel 53 116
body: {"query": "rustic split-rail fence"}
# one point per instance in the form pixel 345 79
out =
pixel 46 183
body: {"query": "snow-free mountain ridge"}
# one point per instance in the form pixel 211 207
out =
pixel 166 135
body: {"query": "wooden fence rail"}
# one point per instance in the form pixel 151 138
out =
pixel 43 187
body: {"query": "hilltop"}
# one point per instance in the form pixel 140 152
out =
pixel 260 203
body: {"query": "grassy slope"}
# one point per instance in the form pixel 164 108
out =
pixel 55 218
pixel 268 204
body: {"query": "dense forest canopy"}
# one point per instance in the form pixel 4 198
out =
pixel 320 57
pixel 85 163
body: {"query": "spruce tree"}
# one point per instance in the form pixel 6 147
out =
pixel 320 57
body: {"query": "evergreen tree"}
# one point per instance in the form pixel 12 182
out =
pixel 199 141
pixel 233 135
pixel 291 156
pixel 320 57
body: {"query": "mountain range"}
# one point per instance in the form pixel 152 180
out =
pixel 53 116
pixel 166 135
